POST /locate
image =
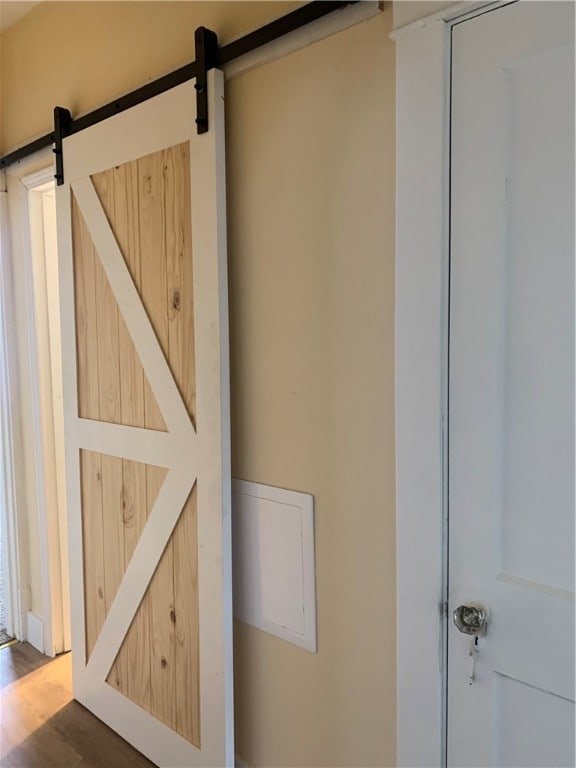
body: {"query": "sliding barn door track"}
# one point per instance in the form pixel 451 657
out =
pixel 208 56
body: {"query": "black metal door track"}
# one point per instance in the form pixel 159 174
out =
pixel 208 56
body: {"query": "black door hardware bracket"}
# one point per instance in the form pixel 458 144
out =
pixel 206 43
pixel 62 121
pixel 208 56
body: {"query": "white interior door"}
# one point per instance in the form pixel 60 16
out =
pixel 511 452
pixel 141 230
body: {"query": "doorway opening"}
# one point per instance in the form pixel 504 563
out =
pixel 35 522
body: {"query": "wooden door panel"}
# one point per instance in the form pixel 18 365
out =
pixel 112 525
pixel 147 206
pixel 165 681
pixel 112 386
pixel 143 285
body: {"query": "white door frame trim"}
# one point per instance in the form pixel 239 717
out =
pixel 10 432
pixel 50 506
pixel 423 58
pixel 49 630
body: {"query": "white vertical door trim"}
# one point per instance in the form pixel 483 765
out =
pixel 423 51
pixel 421 257
pixel 212 349
pixel 45 472
pixel 8 436
pixel 32 427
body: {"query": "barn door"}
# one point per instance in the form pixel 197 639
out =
pixel 141 229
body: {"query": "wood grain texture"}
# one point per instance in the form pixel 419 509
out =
pixel 180 280
pixel 132 665
pixel 86 322
pixel 113 530
pixel 110 411
pixel 135 650
pixel 154 292
pixel 93 538
pixel 181 357
pixel 117 190
pixel 134 655
pixel 107 324
pixel 147 203
pixel 41 724
pixel 187 660
pixel 125 395
pixel 85 267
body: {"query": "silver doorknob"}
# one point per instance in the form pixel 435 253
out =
pixel 471 619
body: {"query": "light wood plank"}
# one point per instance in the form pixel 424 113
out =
pixel 89 407
pixel 153 290
pixel 134 655
pixel 93 545
pixel 179 272
pixel 107 322
pixel 137 320
pixel 110 411
pixel 86 328
pixel 135 387
pixel 126 219
pixel 162 620
pixel 147 204
pixel 157 532
pixel 182 363
pixel 135 650
pixel 187 624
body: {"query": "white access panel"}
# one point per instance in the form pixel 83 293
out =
pixel 273 561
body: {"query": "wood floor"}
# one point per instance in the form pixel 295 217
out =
pixel 41 726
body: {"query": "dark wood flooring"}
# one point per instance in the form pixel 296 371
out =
pixel 41 726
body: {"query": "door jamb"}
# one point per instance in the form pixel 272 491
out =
pixel 423 69
pixel 49 631
pixel 10 439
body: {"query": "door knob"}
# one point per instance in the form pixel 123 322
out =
pixel 471 619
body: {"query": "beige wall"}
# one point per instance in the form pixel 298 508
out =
pixel 82 54
pixel 311 217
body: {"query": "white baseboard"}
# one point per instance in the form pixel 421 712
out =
pixel 35 631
